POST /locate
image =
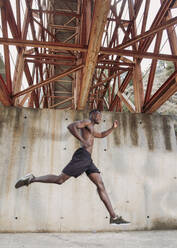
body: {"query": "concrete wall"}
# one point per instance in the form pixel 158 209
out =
pixel 138 163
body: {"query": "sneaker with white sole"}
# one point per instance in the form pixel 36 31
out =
pixel 118 220
pixel 24 181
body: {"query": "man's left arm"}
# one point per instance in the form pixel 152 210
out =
pixel 107 132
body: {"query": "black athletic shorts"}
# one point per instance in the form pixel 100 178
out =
pixel 81 162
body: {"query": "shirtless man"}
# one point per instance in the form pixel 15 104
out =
pixel 82 162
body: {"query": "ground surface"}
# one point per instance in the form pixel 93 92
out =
pixel 152 239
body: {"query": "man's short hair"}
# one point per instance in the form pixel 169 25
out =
pixel 93 111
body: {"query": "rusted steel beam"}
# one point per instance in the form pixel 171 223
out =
pixel 11 20
pixel 117 24
pixel 153 68
pixel 46 61
pixel 41 21
pixel 162 94
pixel 146 10
pixel 6 49
pixel 47 81
pixel 56 12
pixel 30 82
pixel 106 80
pixel 62 27
pixel 114 62
pixel 76 47
pixel 144 23
pixel 151 32
pixel 22 102
pixel 18 14
pixel 33 30
pixel 60 103
pixel 174 5
pixel 137 74
pixel 44 29
pixel 115 67
pixel 172 37
pixel 43 44
pixel 127 102
pixel 18 73
pixel 125 82
pixel 138 87
pixel 157 22
pixel 138 54
pixel 4 94
pixel 101 10
pixel 49 56
pixel 113 103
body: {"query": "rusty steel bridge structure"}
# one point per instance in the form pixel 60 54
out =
pixel 84 54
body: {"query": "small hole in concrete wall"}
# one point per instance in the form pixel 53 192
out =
pixel 127 202
pixel 104 120
pixel 64 148
pixel 105 150
pixel 66 119
pixel 140 122
pixel 148 217
pixel 106 217
pixel 25 117
pixel 16 218
pixel 24 147
pixel 175 177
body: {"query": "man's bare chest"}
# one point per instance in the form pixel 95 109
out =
pixel 88 131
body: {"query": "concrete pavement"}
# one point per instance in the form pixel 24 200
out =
pixel 141 239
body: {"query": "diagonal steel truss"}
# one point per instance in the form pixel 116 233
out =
pixel 79 54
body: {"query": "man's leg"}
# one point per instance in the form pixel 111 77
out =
pixel 97 180
pixel 51 179
pixel 28 179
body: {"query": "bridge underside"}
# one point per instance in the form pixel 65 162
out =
pixel 85 54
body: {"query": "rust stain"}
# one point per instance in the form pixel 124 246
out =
pixel 133 129
pixel 16 130
pixel 116 133
pixel 158 224
pixel 166 131
pixel 147 124
pixel 81 115
pixel 124 122
pixel 53 132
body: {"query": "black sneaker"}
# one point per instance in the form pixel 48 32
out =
pixel 24 181
pixel 118 220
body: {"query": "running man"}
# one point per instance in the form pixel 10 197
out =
pixel 82 162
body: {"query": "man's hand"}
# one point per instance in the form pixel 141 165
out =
pixel 115 124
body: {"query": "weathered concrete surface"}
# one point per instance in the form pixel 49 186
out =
pixel 156 239
pixel 138 163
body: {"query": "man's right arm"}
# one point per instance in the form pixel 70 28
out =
pixel 75 126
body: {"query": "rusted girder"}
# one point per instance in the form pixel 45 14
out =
pixel 101 10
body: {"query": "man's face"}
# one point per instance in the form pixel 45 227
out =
pixel 97 117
